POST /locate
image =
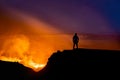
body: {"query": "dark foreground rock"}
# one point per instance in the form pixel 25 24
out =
pixel 69 64
pixel 15 71
pixel 82 64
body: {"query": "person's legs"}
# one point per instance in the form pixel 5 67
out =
pixel 73 45
pixel 77 45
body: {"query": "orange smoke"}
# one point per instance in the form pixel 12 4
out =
pixel 15 49
pixel 17 45
pixel 29 41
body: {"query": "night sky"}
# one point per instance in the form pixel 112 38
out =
pixel 32 30
pixel 69 16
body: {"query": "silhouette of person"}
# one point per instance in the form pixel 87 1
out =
pixel 75 41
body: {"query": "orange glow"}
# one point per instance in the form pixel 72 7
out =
pixel 29 41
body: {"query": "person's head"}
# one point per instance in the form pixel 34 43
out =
pixel 75 34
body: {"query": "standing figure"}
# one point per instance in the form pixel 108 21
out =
pixel 75 41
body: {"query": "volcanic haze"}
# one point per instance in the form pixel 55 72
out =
pixel 27 40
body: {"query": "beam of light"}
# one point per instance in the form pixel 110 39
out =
pixel 29 41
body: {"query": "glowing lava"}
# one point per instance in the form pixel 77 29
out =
pixel 29 41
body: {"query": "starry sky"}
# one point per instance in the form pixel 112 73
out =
pixel 81 16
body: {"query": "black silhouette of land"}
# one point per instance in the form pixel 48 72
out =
pixel 68 64
pixel 15 71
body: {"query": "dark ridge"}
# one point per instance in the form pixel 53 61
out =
pixel 81 64
pixel 76 64
pixel 15 71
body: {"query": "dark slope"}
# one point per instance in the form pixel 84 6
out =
pixel 15 71
pixel 81 64
pixel 68 64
